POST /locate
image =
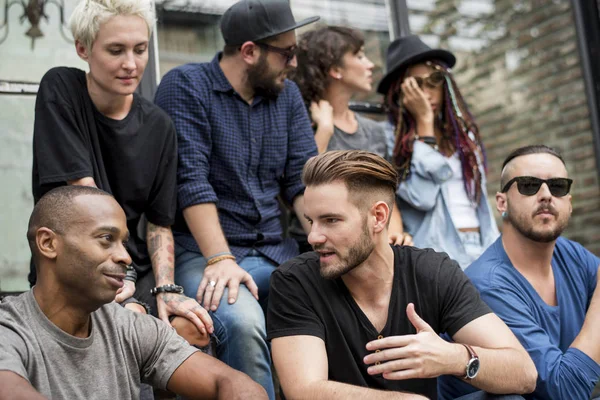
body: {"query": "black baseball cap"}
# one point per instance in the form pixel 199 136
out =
pixel 254 20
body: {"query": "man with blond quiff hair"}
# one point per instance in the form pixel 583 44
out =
pixel 358 318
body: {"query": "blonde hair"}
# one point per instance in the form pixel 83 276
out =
pixel 90 14
pixel 366 175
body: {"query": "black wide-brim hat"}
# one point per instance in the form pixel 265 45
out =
pixel 406 51
pixel 254 20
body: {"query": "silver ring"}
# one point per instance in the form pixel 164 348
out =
pixel 212 283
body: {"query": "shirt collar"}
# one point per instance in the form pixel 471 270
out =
pixel 220 82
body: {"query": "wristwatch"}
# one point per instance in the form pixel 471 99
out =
pixel 473 364
pixel 170 288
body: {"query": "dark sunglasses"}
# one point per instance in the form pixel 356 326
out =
pixel 530 185
pixel 288 53
pixel 432 81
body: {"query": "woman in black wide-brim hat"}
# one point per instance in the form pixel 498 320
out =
pixel 438 151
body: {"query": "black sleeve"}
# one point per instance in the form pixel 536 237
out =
pixel 458 299
pixel 162 203
pixel 60 148
pixel 290 312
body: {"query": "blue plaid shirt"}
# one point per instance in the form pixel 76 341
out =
pixel 237 155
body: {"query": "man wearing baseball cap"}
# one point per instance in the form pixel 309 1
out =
pixel 243 138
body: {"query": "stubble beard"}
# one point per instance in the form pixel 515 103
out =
pixel 264 81
pixel 527 228
pixel 359 252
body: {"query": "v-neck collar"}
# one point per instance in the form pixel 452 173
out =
pixel 362 317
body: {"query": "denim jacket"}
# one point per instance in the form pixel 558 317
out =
pixel 423 199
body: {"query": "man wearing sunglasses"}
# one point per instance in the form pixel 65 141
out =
pixel 243 138
pixel 541 284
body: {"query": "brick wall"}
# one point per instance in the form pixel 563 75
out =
pixel 519 69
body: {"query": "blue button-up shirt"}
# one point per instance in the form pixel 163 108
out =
pixel 237 155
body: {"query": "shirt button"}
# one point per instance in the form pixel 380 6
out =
pixel 253 140
pixel 380 337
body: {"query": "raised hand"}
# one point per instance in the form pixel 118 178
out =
pixel 416 102
pixel 321 113
pixel 400 238
pixel 423 355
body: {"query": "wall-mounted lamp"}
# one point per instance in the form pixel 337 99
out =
pixel 33 11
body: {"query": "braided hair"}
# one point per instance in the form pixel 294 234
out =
pixel 460 133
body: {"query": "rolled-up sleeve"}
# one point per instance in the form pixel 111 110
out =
pixel 301 146
pixel 178 96
pixel 428 170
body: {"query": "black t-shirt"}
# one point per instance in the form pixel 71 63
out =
pixel 301 302
pixel 134 159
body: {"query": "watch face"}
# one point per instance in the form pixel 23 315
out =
pixel 473 368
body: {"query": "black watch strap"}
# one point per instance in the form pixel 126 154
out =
pixel 170 288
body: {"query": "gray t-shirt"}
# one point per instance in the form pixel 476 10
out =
pixel 369 136
pixel 123 349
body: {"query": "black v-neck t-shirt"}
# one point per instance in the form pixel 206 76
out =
pixel 134 159
pixel 301 302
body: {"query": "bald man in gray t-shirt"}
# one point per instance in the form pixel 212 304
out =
pixel 123 349
pixel 67 339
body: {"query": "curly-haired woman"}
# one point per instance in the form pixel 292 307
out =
pixel 333 67
pixel 438 151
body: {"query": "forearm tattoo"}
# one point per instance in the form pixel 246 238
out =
pixel 161 249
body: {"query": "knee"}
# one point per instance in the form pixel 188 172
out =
pixel 187 330
pixel 244 317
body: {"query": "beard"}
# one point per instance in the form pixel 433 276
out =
pixel 358 253
pixel 263 80
pixel 526 226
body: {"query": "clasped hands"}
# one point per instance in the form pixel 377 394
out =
pixel 194 324
pixel 422 355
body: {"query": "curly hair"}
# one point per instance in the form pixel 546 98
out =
pixel 318 51
pixel 460 133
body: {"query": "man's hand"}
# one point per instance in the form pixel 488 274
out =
pixel 125 292
pixel 168 304
pixel 400 238
pixel 424 355
pixel 217 277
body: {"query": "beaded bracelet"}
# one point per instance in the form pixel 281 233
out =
pixel 217 259
pixel 223 253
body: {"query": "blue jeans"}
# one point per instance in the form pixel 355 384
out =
pixel 473 248
pixel 239 327
pixel 486 396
